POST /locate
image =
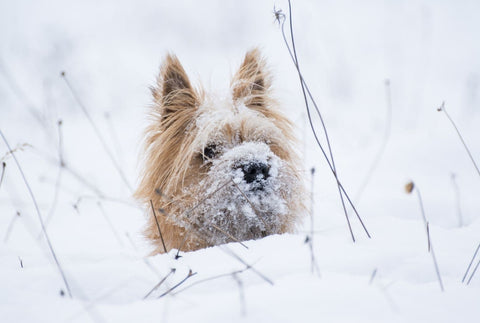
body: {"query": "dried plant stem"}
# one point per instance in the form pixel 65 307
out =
pixel 251 204
pixel 234 255
pixel 58 180
pixel 172 271
pixel 229 235
pixel 442 108
pixel 471 262
pixel 145 260
pixel 457 200
pixel 190 274
pixel 305 90
pixel 4 165
pixel 473 272
pixel 313 262
pixel 211 278
pixel 59 267
pixel 372 277
pixel 110 224
pixel 243 307
pixel 22 96
pixel 431 250
pixel 385 138
pixel 10 226
pixel 158 226
pixel 192 209
pixel 97 132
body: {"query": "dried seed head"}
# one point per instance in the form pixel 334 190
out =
pixel 409 187
pixel 441 107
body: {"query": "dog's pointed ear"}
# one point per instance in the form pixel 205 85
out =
pixel 252 81
pixel 173 92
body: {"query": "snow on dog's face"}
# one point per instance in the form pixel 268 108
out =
pixel 219 170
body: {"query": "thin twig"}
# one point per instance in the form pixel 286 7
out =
pixel 385 138
pixel 172 271
pixel 145 260
pixel 4 165
pixel 251 204
pixel 97 132
pixel 211 278
pixel 409 188
pixel 428 236
pixel 158 226
pixel 302 83
pixel 234 255
pixel 473 272
pixel 457 200
pixel 229 235
pixel 471 262
pixel 313 263
pixel 190 274
pixel 110 224
pixel 39 215
pixel 281 19
pixel 243 306
pixel 442 108
pixel 192 209
pixel 372 277
pixel 61 165
pixel 10 226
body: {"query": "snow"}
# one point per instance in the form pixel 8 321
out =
pixel 111 52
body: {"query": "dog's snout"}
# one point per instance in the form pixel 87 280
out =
pixel 254 171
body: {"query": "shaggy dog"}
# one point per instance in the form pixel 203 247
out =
pixel 218 170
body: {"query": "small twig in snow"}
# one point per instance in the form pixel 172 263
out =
pixel 110 224
pixel 473 272
pixel 243 307
pixel 97 132
pixel 385 138
pixel 190 274
pixel 10 226
pixel 145 260
pixel 234 255
pixel 280 17
pixel 471 262
pixel 38 214
pixel 372 277
pixel 457 200
pixel 442 108
pixel 313 263
pixel 172 271
pixel 211 278
pixel 58 179
pixel 409 188
pixel 158 226
pixel 229 235
pixel 4 165
pixel 250 203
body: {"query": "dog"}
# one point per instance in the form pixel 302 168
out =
pixel 218 170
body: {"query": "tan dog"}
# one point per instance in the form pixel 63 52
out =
pixel 218 170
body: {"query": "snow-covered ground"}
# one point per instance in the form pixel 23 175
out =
pixel 110 52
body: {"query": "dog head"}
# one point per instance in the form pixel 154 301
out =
pixel 220 169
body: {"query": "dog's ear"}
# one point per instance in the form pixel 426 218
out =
pixel 252 81
pixel 173 93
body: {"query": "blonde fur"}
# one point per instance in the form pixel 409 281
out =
pixel 179 179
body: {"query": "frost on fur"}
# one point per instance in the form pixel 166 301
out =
pixel 219 169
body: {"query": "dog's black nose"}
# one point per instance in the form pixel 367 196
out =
pixel 254 171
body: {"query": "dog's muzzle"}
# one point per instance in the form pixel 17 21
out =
pixel 255 172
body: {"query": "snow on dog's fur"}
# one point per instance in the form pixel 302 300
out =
pixel 218 170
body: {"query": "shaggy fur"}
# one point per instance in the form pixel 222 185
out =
pixel 198 150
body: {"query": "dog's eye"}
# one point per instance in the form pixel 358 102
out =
pixel 209 152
